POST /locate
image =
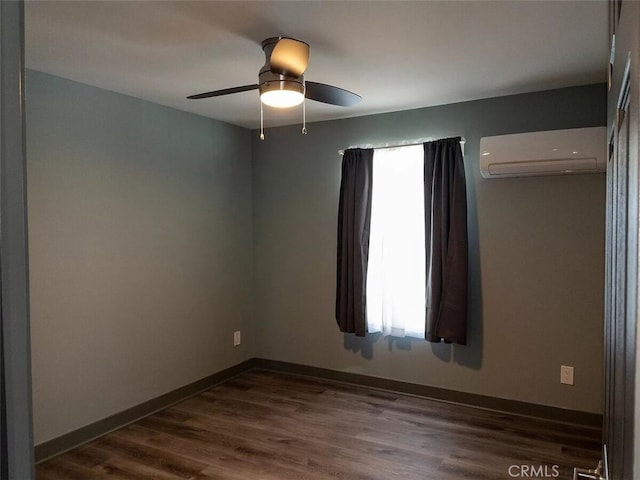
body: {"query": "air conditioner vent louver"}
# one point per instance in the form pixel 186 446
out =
pixel 554 152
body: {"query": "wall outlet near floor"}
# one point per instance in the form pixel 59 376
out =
pixel 236 340
pixel 566 375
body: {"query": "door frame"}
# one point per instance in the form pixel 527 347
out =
pixel 620 435
pixel 16 436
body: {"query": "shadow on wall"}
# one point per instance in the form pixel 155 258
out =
pixel 362 345
pixel 469 355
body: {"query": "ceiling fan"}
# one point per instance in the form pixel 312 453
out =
pixel 281 80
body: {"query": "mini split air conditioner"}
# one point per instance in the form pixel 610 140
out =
pixel 554 152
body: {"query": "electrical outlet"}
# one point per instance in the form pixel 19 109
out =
pixel 566 375
pixel 236 338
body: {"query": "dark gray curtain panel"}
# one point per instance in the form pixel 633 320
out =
pixel 354 220
pixel 446 241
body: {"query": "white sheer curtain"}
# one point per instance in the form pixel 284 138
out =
pixel 396 291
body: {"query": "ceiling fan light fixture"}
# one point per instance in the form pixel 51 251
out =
pixel 282 94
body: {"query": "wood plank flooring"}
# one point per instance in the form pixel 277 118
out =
pixel 270 426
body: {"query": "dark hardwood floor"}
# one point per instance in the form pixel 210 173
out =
pixel 271 426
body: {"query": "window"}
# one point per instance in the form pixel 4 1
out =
pixel 394 204
pixel 396 277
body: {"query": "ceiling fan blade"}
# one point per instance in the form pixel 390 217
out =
pixel 226 91
pixel 321 92
pixel 290 57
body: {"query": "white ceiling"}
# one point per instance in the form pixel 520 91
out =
pixel 398 55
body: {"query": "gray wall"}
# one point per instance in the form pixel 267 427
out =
pixel 536 255
pixel 140 250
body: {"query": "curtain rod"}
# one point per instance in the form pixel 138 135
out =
pixel 400 143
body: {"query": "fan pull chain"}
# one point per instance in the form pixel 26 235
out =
pixel 261 123
pixel 304 115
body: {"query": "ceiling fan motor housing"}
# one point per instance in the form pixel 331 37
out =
pixel 269 80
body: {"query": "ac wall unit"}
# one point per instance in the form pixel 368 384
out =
pixel 554 152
